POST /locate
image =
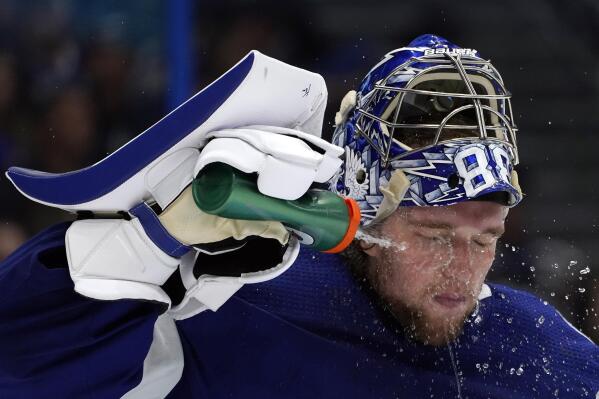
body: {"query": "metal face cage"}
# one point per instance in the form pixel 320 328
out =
pixel 425 96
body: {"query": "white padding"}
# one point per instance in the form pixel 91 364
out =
pixel 163 365
pixel 285 163
pixel 485 292
pixel 113 259
pixel 289 148
pixel 285 180
pixel 234 152
pixel 327 161
pixel 211 292
pixel 171 174
pixel 275 178
pixel 289 257
pixel 189 307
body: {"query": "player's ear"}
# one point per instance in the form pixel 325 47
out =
pixel 369 249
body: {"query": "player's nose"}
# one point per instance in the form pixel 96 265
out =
pixel 461 262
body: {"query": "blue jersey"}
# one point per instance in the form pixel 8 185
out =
pixel 313 332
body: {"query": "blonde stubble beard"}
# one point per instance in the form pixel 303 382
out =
pixel 414 319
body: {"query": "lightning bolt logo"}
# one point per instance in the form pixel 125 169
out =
pixel 417 167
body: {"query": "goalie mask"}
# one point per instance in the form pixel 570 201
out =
pixel 430 125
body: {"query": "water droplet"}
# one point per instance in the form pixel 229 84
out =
pixel 549 123
pixel 586 270
pixel 509 320
pixel 581 290
pixel 520 370
pixel 541 319
pixel 532 268
pixel 552 294
pixel 573 262
pixel 513 249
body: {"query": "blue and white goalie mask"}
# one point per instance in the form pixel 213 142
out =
pixel 431 125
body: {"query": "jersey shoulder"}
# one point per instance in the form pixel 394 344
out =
pixel 52 236
pixel 530 313
pixel 533 329
pixel 41 261
pixel 317 289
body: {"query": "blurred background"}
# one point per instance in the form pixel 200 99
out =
pixel 79 79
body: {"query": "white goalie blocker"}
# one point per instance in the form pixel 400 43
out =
pixel 262 116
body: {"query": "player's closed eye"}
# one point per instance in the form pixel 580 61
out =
pixel 432 237
pixel 485 241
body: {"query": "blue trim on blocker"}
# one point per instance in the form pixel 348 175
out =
pixel 156 231
pixel 87 184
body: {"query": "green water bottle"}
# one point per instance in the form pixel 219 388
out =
pixel 320 219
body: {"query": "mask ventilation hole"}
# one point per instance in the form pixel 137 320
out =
pixel 361 176
pixel 453 181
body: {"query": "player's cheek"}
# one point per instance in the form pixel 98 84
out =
pixel 399 271
pixel 424 253
pixel 489 254
pixel 422 274
pixel 483 259
pixel 417 265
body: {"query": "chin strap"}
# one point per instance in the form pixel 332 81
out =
pixel 393 194
pixel 516 182
pixel 347 104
